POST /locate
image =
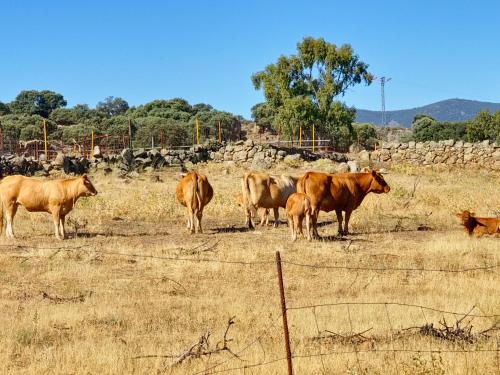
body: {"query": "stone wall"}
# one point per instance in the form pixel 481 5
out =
pixel 255 156
pixel 443 153
pixel 260 157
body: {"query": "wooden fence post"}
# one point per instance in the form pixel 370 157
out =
pixel 283 311
pixel 45 139
pixel 314 148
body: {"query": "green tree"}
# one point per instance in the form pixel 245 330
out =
pixel 495 127
pixel 480 128
pixel 294 113
pixel 320 71
pixel 4 109
pixel 263 115
pixel 32 102
pixel 366 134
pixel 112 106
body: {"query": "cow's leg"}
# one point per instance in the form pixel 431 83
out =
pixel 294 228
pixel 266 213
pixel 308 226
pixel 61 226
pixel 290 224
pixel 56 216
pixel 263 216
pixel 339 219
pixel 248 217
pixel 346 222
pixel 190 220
pixel 315 214
pixel 299 224
pixel 199 215
pixel 10 212
pixel 276 217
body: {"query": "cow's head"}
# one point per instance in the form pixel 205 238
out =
pixel 87 189
pixel 467 220
pixel 378 184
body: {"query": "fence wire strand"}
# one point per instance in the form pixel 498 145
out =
pixel 491 316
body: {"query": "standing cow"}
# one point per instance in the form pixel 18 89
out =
pixel 194 192
pixel 260 190
pixel 57 197
pixel 298 207
pixel 339 192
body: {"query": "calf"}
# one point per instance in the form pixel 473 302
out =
pixel 298 206
pixel 479 225
pixel 194 192
pixel 57 197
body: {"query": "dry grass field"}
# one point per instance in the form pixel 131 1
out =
pixel 132 289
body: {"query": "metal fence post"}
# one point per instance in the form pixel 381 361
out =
pixel 283 311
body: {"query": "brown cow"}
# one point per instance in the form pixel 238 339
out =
pixel 298 206
pixel 339 192
pixel 262 212
pixel 194 192
pixel 57 197
pixel 479 225
pixel 261 190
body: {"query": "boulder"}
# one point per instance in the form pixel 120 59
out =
pixel 342 168
pixel 127 156
pixel 97 152
pixel 139 153
pixel 261 164
pixel 353 166
pixel 59 160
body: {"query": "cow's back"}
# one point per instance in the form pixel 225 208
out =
pixel 33 194
pixel 316 186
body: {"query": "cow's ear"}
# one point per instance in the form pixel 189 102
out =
pixel 374 173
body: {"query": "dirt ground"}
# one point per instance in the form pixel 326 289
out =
pixel 132 292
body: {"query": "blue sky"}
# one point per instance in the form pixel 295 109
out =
pixel 206 51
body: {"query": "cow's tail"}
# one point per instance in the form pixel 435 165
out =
pixel 196 193
pixel 302 184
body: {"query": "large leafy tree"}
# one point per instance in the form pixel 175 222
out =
pixel 112 106
pixel 318 74
pixel 33 102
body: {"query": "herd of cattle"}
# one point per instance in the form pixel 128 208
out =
pixel 302 198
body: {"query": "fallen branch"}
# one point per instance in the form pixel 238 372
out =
pixel 56 299
pixel 200 349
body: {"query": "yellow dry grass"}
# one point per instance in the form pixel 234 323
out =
pixel 133 282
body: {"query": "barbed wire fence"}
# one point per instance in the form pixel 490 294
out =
pixel 287 312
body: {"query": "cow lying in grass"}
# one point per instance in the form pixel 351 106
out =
pixel 479 225
pixel 56 197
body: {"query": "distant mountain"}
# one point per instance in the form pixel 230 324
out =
pixel 446 110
